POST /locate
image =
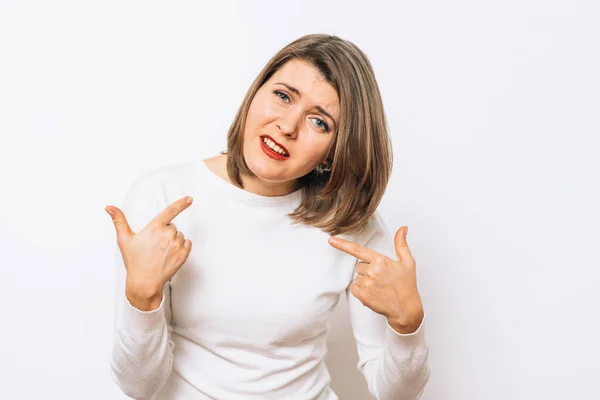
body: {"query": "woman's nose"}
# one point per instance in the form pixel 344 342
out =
pixel 289 129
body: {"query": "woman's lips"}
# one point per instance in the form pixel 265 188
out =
pixel 278 144
pixel 271 153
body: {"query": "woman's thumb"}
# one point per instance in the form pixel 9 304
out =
pixel 120 222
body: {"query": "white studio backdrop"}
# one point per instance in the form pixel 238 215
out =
pixel 493 109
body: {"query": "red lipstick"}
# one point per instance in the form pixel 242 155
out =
pixel 272 153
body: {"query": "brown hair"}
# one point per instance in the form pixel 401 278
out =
pixel 343 200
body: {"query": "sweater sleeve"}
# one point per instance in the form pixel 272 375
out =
pixel 395 365
pixel 142 350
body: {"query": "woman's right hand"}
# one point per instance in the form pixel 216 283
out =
pixel 153 255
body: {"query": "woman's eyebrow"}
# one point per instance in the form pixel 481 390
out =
pixel 320 109
pixel 290 88
pixel 317 107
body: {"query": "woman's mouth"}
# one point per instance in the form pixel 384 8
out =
pixel 272 149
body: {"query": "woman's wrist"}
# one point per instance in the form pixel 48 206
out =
pixel 144 299
pixel 144 303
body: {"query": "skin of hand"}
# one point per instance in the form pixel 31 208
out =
pixel 387 286
pixel 153 255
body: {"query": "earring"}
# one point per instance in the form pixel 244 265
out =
pixel 324 167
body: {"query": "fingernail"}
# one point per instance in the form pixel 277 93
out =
pixel 109 211
pixel 189 200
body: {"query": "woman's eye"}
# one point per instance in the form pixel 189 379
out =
pixel 282 96
pixel 321 124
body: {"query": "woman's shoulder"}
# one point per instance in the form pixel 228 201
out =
pixel 378 236
pixel 168 183
pixel 375 227
pixel 175 173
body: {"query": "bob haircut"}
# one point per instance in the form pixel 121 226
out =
pixel 340 201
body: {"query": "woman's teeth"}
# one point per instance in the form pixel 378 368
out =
pixel 274 147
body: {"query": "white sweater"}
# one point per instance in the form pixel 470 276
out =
pixel 246 316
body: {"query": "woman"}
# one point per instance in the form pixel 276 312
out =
pixel 283 223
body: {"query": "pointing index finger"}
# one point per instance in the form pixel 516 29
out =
pixel 354 249
pixel 173 210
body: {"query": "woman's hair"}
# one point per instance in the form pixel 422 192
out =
pixel 343 200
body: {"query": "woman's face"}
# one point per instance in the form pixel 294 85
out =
pixel 297 111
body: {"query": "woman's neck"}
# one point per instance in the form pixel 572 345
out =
pixel 218 165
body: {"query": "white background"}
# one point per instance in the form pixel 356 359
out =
pixel 493 109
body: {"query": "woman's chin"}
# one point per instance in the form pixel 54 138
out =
pixel 261 169
pixel 269 174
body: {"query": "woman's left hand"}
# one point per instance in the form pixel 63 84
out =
pixel 387 286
